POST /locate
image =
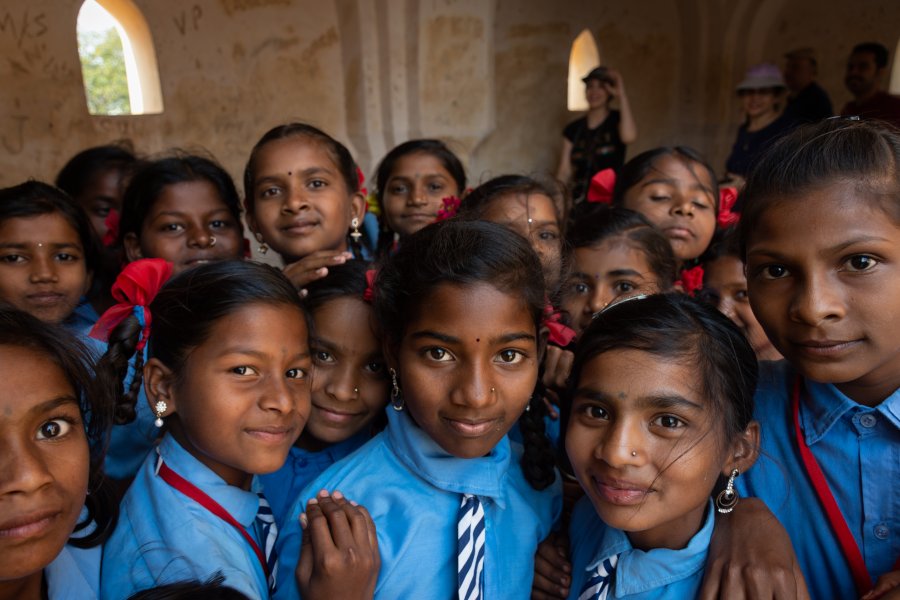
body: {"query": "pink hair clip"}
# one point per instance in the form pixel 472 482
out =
pixel 369 294
pixel 727 198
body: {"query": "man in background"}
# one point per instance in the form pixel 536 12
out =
pixel 866 69
pixel 807 102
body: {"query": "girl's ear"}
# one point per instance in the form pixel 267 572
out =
pixel 251 222
pixel 88 281
pixel 159 383
pixel 744 450
pixel 132 247
pixel 358 206
pixel 543 336
pixel 390 349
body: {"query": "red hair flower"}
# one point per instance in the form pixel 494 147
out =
pixel 559 334
pixel 727 198
pixel 134 289
pixel 112 228
pixel 369 294
pixel 691 280
pixel 450 208
pixel 362 180
pixel 602 185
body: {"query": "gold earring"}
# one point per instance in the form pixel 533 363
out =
pixel 396 398
pixel 355 234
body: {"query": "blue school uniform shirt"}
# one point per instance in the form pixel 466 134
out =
pixel 413 488
pixel 658 574
pixel 163 536
pixel 857 448
pixel 74 574
pixel 283 487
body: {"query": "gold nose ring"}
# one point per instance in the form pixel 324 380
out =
pixel 212 241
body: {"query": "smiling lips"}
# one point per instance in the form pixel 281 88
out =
pixel 29 525
pixel 473 428
pixel 824 348
pixel 619 491
pixel 333 416
pixel 272 434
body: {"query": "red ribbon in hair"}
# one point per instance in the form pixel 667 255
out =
pixel 727 197
pixel 560 335
pixel 136 285
pixel 691 280
pixel 369 294
pixel 602 185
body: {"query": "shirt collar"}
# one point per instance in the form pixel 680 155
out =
pixel 639 571
pixel 483 476
pixel 240 504
pixel 823 405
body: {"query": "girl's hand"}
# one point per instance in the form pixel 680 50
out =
pixel 313 267
pixel 552 569
pixel 886 588
pixel 617 88
pixel 751 557
pixel 339 557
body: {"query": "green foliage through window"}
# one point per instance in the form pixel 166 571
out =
pixel 103 69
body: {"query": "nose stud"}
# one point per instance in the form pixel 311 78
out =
pixel 356 391
pixel 212 241
pixel 634 452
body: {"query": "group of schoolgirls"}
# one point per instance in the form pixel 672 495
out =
pixel 516 399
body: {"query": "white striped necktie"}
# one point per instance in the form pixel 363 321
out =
pixel 600 580
pixel 470 548
pixel 268 536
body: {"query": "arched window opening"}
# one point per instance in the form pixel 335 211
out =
pixel 894 87
pixel 118 60
pixel 583 57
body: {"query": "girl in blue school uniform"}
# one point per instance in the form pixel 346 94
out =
pixel 349 383
pixel 820 235
pixel 183 209
pixel 304 201
pixel 55 509
pixel 226 377
pixel 660 414
pixel 458 509
pixel 48 255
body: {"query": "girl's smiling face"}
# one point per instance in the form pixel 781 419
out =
pixel 301 203
pixel 602 273
pixel 643 446
pixel 42 266
pixel 414 192
pixel 188 225
pixel 242 397
pixel 677 197
pixel 467 366
pixel 349 380
pixel 823 273
pixel 534 218
pixel 44 461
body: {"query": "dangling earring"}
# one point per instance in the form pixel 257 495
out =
pixel 161 407
pixel 396 400
pixel 263 247
pixel 355 234
pixel 728 498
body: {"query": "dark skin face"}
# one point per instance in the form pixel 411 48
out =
pixel 102 195
pixel 823 273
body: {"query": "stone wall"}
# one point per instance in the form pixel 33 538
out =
pixel 490 77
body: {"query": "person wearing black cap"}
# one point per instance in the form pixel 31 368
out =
pixel 597 140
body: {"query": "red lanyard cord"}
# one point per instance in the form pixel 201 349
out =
pixel 838 523
pixel 197 495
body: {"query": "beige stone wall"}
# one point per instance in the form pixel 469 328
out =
pixel 487 76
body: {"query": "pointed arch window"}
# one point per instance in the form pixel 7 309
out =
pixel 118 60
pixel 583 57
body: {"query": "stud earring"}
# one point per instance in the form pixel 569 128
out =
pixel 728 498
pixel 160 407
pixel 263 247
pixel 396 400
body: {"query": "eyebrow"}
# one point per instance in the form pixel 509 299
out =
pixel 661 401
pixel 53 403
pixel 255 353
pixel 449 339
pixel 19 246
